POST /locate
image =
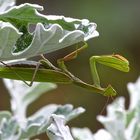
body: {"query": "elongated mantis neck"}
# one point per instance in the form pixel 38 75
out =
pixel 87 86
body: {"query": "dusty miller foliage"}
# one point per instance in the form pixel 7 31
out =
pixel 17 42
pixel 119 124
pixel 16 125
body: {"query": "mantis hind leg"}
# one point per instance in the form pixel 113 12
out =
pixel 33 77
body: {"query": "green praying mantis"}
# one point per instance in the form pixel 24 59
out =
pixel 51 33
pixel 45 71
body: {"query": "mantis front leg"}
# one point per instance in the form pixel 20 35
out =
pixel 109 91
pixel 115 61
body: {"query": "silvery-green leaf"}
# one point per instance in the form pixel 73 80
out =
pixel 134 91
pixel 133 128
pixel 122 124
pixel 34 127
pixel 88 28
pixel 44 41
pixel 39 121
pixel 57 130
pixel 51 33
pixel 36 91
pixel 115 120
pixel 22 96
pixel 5 114
pixel 82 134
pixel 101 133
pixel 8 37
pixel 86 134
pixel 64 110
pixel 68 111
pixel 45 112
pixel 32 131
pixel 8 129
pixel 6 4
pixel 28 94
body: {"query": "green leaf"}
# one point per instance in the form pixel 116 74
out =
pixel 28 13
pixel 24 40
pixel 22 15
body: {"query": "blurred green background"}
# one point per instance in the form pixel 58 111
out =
pixel 118 24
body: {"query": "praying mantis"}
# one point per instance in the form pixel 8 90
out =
pixel 51 33
pixel 45 71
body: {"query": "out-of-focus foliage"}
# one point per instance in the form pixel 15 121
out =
pixel 120 123
pixel 6 4
pixel 16 125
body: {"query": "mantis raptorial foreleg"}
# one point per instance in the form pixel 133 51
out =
pixel 115 61
pixel 109 91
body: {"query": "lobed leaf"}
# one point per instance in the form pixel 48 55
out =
pixel 40 122
pixel 119 123
pixel 57 129
pixel 51 33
